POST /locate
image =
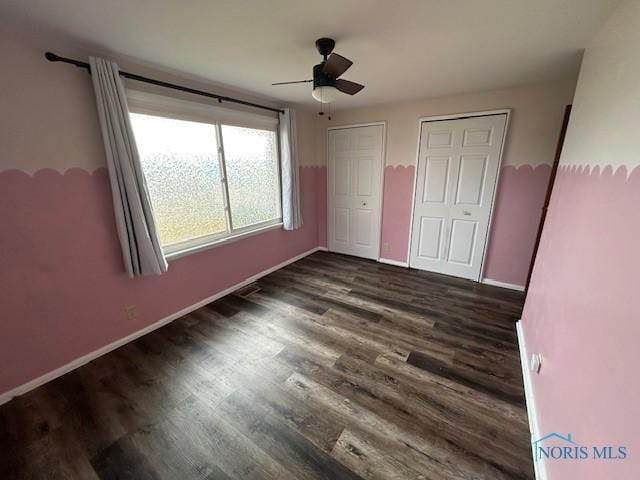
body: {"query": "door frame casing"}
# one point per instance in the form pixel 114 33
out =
pixel 547 198
pixel 461 116
pixel 383 162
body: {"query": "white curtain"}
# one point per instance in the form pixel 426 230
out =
pixel 291 214
pixel 141 250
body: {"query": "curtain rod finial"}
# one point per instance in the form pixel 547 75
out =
pixel 52 57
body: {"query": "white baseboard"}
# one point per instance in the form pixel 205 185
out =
pixel 496 283
pixel 323 249
pixel 78 362
pixel 534 426
pixel 393 262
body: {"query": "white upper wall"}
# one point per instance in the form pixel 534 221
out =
pixel 536 119
pixel 49 117
pixel 605 121
pixel 401 50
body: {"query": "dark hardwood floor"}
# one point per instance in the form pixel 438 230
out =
pixel 332 368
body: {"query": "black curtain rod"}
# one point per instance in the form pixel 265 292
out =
pixel 52 57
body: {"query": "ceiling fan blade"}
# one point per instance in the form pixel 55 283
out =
pixel 345 86
pixel 288 83
pixel 336 65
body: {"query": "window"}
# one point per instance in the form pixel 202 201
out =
pixel 211 174
pixel 253 175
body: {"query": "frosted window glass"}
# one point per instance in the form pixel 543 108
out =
pixel 180 163
pixel 251 160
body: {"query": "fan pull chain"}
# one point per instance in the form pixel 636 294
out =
pixel 321 112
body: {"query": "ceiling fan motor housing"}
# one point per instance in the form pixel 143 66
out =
pixel 321 79
pixel 325 46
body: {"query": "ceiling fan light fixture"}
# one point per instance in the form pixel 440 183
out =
pixel 327 84
pixel 326 94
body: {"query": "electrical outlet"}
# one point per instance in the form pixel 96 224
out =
pixel 132 312
pixel 385 247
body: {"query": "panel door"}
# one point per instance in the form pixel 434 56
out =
pixel 458 163
pixel 354 184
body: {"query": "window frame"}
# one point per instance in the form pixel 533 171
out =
pixel 168 107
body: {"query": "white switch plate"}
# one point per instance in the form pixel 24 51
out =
pixel 536 363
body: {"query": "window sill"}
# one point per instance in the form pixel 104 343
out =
pixel 217 243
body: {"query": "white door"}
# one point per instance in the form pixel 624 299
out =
pixel 354 183
pixel 458 164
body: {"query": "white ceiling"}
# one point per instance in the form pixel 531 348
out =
pixel 401 49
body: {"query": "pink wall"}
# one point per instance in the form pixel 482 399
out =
pixel 582 314
pixel 516 217
pixel 321 204
pixel 396 212
pixel 63 289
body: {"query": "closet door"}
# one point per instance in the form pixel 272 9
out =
pixel 458 165
pixel 354 184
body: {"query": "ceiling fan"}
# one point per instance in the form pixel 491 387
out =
pixel 326 84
